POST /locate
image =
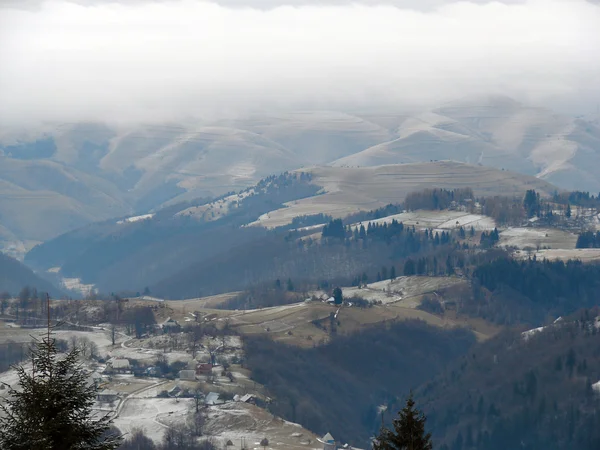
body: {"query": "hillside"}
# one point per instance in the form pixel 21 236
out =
pixel 207 248
pixel 527 391
pixel 14 276
pixel 351 376
pixel 496 132
pixel 347 190
pixel 70 175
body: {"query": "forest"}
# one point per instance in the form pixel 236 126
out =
pixel 588 239
pixel 533 291
pixel 316 387
pixel 517 392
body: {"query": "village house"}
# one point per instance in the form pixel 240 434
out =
pixel 120 365
pixel 328 442
pixel 170 326
pixel 212 398
pixel 204 369
pixel 248 398
pixel 107 396
pixel 187 375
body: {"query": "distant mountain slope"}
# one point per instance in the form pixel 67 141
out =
pixel 497 132
pixel 60 177
pixel 187 249
pixel 126 254
pixel 347 190
pixel 14 276
pixel 317 137
pixel 41 198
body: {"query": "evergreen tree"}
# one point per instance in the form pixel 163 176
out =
pixel 408 433
pixel 53 408
pixel 393 273
pixel 338 297
pixel 568 212
pixel 409 267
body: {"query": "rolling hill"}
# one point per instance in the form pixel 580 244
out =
pixel 497 132
pixel 209 248
pixel 349 189
pixel 60 177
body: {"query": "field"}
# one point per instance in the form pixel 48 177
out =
pixel 439 220
pixel 535 238
pixel 583 254
pixel 295 323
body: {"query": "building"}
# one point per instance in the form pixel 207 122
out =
pixel 107 396
pixel 187 375
pixel 175 391
pixel 248 398
pixel 212 398
pixel 328 442
pixel 94 379
pixel 204 369
pixel 170 326
pixel 120 365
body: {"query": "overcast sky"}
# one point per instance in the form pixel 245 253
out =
pixel 169 60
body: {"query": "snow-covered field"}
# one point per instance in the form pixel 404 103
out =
pixel 75 284
pixel 217 209
pixel 402 289
pixel 153 415
pixel 438 220
pixel 135 219
pixel 537 238
pixel 583 254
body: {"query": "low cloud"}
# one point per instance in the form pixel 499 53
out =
pixel 140 60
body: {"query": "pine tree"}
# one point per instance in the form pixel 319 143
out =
pixel 338 297
pixel 408 433
pixel 53 408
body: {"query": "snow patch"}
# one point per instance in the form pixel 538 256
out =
pixel 135 219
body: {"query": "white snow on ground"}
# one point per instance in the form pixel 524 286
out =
pixel 404 289
pixel 582 254
pixel 135 219
pixel 153 415
pixel 244 423
pixel 217 209
pixel 527 334
pixel 75 284
pixel 437 220
pixel 596 387
pixel 311 227
pixel 537 237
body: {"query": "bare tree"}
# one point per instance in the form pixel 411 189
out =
pixel 197 423
pixel 113 333
pixel 194 335
pixel 74 342
pixel 93 350
pixel 198 397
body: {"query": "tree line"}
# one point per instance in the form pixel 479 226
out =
pixel 588 239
